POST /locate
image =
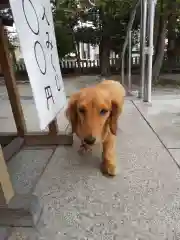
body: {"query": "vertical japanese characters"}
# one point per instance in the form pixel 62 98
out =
pixel 43 65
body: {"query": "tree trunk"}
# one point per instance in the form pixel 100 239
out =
pixel 156 30
pixel 104 46
pixel 159 57
pixel 165 15
pixel 13 56
pixel 171 53
pixel 104 54
pixel 76 47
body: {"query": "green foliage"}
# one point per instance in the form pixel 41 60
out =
pixel 109 19
pixel 64 41
pixel 67 12
pixel 6 13
pixel 64 21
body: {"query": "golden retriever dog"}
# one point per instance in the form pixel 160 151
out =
pixel 93 114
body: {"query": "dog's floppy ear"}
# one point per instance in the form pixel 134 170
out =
pixel 71 111
pixel 113 118
pixel 116 109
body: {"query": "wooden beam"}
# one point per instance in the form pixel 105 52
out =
pixel 53 128
pixel 5 182
pixel 48 139
pixel 12 148
pixel 15 218
pixel 2 198
pixel 6 65
pixel 40 138
pixel 24 210
pixel 6 138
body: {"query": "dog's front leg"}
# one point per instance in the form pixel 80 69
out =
pixel 109 159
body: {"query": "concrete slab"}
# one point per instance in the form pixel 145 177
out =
pixel 26 168
pixel 72 85
pixel 7 123
pixel 23 234
pixel 76 83
pixel 176 155
pixel 4 233
pixel 164 118
pixel 171 76
pixel 6 117
pixel 141 202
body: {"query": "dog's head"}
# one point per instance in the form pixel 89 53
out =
pixel 92 112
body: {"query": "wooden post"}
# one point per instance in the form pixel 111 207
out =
pixel 6 189
pixel 6 65
pixel 53 127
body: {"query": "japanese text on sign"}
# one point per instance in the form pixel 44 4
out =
pixel 34 24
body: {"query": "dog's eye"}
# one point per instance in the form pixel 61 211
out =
pixel 103 111
pixel 82 110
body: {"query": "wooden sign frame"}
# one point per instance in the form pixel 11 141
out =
pixel 32 138
pixel 14 210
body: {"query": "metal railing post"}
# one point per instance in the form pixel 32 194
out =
pixel 152 4
pixel 129 60
pixel 143 46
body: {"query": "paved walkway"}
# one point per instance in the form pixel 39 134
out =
pixel 7 123
pixel 141 203
pixel 71 85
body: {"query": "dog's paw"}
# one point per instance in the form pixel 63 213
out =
pixel 84 148
pixel 108 169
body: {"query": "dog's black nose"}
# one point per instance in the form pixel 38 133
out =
pixel 90 140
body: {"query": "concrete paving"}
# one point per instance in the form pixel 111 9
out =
pixel 6 117
pixel 164 118
pixel 71 85
pixel 141 203
pixel 26 168
pixel 7 123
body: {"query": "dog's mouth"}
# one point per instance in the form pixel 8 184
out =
pixel 90 144
pixel 90 140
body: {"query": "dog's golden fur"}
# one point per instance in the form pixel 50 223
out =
pixel 94 111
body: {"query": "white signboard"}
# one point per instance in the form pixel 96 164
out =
pixel 34 24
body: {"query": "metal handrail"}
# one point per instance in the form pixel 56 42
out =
pixel 145 89
pixel 128 36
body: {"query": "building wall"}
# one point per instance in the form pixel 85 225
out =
pixel 18 54
pixel 87 51
pixel 90 52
